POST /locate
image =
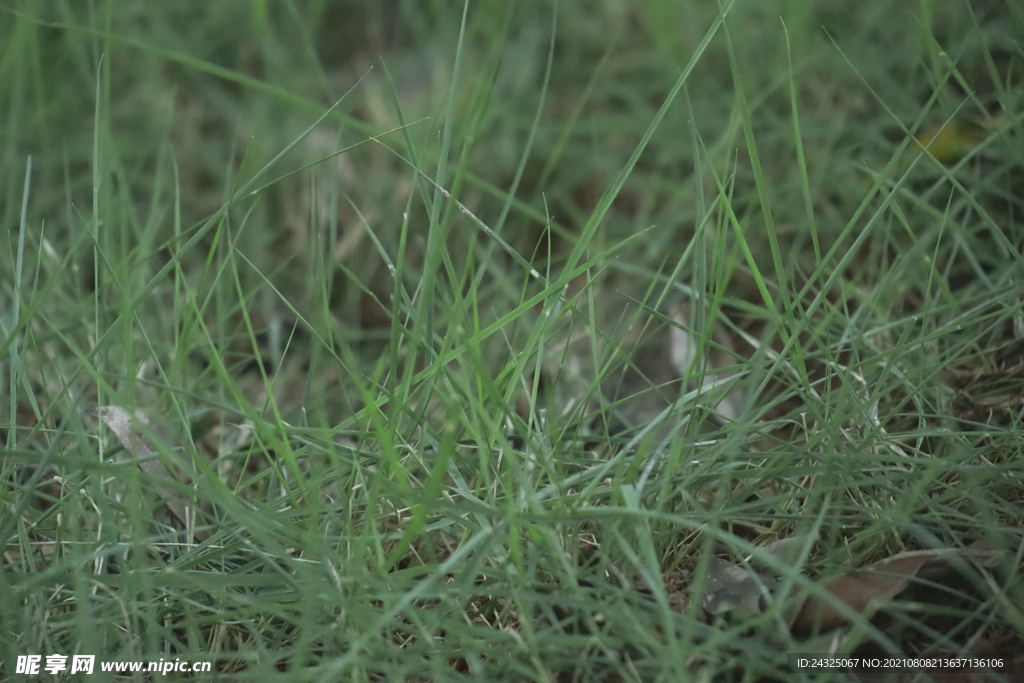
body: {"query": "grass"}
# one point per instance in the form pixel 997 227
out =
pixel 484 335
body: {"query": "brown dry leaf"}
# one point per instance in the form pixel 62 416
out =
pixel 131 431
pixel 882 581
pixel 732 587
pixel 788 549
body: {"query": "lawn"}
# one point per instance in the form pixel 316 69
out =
pixel 513 341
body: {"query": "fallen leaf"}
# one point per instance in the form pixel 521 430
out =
pixel 131 430
pixel 730 587
pixel 700 356
pixel 861 589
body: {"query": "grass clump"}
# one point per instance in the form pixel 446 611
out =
pixel 517 343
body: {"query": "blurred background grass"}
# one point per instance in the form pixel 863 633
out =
pixel 168 111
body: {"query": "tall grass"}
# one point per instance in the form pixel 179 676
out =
pixel 483 332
